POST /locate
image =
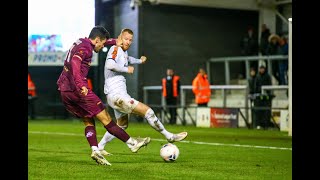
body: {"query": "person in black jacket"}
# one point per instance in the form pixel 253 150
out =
pixel 265 33
pixel 252 88
pixel 263 101
pixel 263 78
pixel 252 80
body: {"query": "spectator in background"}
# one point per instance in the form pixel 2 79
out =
pixel 274 49
pixel 90 86
pixel 252 81
pixel 32 95
pixel 263 116
pixel 31 87
pixel 252 91
pixel 263 78
pixel 265 33
pixel 283 63
pixel 201 88
pixel 170 90
pixel 249 44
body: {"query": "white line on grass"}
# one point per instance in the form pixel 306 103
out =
pixel 193 142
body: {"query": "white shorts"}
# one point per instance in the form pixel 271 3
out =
pixel 122 104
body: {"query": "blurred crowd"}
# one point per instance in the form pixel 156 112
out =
pixel 270 44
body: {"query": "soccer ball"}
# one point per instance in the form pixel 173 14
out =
pixel 169 152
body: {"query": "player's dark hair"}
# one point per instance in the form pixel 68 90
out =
pixel 99 31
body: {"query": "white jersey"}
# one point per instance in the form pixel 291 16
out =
pixel 115 88
pixel 116 66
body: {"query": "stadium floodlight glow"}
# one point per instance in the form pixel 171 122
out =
pixel 104 49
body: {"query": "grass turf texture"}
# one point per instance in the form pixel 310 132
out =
pixel 58 149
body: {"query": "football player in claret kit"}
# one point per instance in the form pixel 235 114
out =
pixel 81 101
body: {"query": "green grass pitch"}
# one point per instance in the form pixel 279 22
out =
pixel 58 149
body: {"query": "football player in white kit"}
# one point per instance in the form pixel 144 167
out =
pixel 116 66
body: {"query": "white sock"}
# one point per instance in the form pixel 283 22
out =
pixel 107 137
pixel 131 142
pixel 156 123
pixel 94 148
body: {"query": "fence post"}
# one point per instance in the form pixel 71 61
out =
pixel 246 101
pixel 145 96
pixel 183 105
pixel 224 97
pixel 164 106
pixel 208 71
pixel 247 69
pixel 269 67
pixel 227 72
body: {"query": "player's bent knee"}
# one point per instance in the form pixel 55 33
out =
pixel 88 122
pixel 126 105
pixel 104 117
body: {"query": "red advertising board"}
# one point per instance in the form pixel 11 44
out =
pixel 224 117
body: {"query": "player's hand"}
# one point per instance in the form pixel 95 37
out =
pixel 143 59
pixel 130 69
pixel 84 90
pixel 119 41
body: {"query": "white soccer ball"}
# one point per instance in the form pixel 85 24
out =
pixel 169 152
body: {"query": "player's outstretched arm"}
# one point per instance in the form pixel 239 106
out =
pixel 113 66
pixel 133 60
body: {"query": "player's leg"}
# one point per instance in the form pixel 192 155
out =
pixel 79 109
pixel 146 112
pixel 123 105
pixel 91 135
pixel 173 114
pixel 93 107
pixel 111 100
pixel 169 103
pixel 115 130
pixel 122 122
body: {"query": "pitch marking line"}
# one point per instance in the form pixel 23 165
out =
pixel 192 142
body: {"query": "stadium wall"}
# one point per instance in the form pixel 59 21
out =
pixel 184 38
